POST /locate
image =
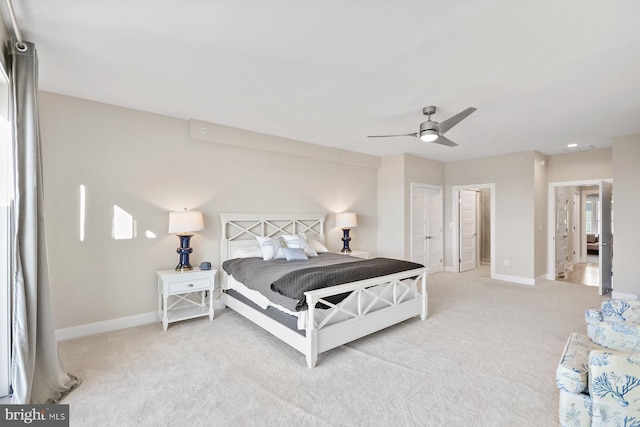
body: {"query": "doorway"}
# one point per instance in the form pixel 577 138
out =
pixel 580 236
pixel 473 237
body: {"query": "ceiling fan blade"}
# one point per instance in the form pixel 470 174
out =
pixel 452 121
pixel 443 140
pixel 389 136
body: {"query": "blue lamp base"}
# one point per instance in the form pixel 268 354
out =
pixel 345 241
pixel 184 250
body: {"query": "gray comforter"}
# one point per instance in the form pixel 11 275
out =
pixel 260 275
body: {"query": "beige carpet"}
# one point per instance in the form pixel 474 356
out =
pixel 486 356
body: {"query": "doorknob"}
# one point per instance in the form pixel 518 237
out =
pixel 428 237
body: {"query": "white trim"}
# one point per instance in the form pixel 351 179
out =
pixel 107 326
pixel 455 194
pixel 622 295
pixel 514 279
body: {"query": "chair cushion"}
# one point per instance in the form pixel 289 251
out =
pixel 573 369
pixel 614 387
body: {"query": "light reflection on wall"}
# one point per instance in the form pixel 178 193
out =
pixel 83 206
pixel 123 227
pixel 122 224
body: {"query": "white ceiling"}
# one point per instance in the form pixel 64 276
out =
pixel 541 73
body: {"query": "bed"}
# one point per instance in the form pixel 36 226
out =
pixel 329 316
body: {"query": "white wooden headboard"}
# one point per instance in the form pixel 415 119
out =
pixel 239 230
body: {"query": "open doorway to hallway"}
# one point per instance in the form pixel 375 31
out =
pixel 580 233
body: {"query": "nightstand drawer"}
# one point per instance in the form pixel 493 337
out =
pixel 189 285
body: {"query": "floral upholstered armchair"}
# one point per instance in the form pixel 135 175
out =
pixel 599 375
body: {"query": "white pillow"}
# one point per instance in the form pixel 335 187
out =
pixel 271 248
pixel 318 246
pixel 252 252
pixel 299 241
pixel 294 254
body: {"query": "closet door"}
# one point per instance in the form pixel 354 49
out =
pixel 426 226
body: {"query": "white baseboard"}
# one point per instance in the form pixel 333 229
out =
pixel 514 279
pixel 621 295
pixel 115 324
pixel 541 279
pixel 106 326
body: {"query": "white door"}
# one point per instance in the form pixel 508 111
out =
pixel 562 230
pixel 605 238
pixel 468 229
pixel 576 230
pixel 426 227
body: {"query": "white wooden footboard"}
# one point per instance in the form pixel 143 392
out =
pixel 361 320
pixel 366 316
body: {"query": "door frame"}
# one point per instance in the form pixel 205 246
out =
pixel 551 218
pixel 433 187
pixel 455 225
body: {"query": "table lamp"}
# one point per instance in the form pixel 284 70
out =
pixel 346 221
pixel 183 224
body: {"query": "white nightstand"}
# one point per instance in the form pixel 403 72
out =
pixel 357 254
pixel 183 294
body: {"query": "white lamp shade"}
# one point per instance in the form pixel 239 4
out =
pixel 185 221
pixel 346 220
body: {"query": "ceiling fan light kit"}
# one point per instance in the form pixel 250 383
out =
pixel 428 135
pixel 431 131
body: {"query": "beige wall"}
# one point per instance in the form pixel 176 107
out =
pixel 391 201
pixel 580 166
pixel 513 176
pixel 626 182
pixel 148 165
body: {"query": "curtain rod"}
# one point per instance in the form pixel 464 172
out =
pixel 20 45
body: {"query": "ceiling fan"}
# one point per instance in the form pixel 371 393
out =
pixel 431 131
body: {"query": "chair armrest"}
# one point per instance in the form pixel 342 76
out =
pixel 572 373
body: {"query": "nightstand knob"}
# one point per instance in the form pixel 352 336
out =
pixel 190 285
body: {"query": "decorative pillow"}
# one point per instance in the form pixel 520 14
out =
pixel 294 254
pixel 252 252
pixel 316 244
pixel 617 310
pixel 299 241
pixel 271 248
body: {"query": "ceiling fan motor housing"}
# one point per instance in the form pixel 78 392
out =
pixel 428 125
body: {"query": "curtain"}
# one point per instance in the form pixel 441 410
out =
pixel 37 373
